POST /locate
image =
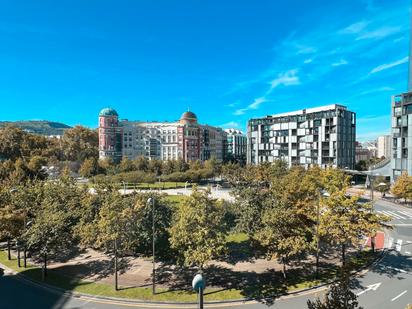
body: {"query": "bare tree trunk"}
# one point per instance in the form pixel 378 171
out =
pixel 284 267
pixel 115 266
pixel 44 272
pixel 343 254
pixel 8 249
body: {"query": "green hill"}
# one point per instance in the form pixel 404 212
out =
pixel 42 127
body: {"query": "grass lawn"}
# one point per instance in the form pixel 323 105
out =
pixel 295 282
pixel 176 199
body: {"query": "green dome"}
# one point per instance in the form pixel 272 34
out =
pixel 108 112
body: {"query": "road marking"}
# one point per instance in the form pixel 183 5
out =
pixel 398 246
pixel 372 287
pixel 390 242
pixel 395 298
pixel 405 213
pixel 388 214
pixel 397 216
pixel 398 269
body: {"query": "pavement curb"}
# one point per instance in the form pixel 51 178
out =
pixel 56 290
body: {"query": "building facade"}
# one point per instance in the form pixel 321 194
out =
pixel 184 139
pixel 384 147
pixel 401 113
pixel 323 136
pixel 236 145
pixel 363 153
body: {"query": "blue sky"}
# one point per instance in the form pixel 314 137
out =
pixel 226 60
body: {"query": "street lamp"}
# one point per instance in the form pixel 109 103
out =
pixel 198 285
pixel 151 200
pixel 124 187
pixel 322 193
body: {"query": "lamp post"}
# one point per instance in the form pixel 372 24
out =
pixel 198 285
pixel 322 193
pixel 124 187
pixel 151 200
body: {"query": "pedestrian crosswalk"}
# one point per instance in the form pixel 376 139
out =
pixel 400 245
pixel 397 214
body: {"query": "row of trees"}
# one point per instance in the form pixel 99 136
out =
pixel 51 219
pixel 143 170
pixel 287 213
pixel 290 212
pixel 22 156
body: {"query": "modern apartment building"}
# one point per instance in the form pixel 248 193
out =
pixel 323 136
pixel 183 139
pixel 383 145
pixel 236 145
pixel 401 134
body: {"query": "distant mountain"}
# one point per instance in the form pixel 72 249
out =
pixel 42 127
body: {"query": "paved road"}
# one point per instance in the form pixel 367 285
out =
pixel 387 285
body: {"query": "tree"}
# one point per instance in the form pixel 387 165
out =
pixel 35 166
pixel 402 187
pixel 126 165
pixel 11 141
pixel 141 216
pixel 89 168
pixel 345 221
pixel 10 217
pixel 288 216
pixel 155 166
pixel 251 188
pixel 80 143
pixel 339 296
pixel 141 164
pixel 282 234
pixel 198 230
pixel 55 214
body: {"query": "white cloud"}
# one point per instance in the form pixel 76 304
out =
pixel 288 78
pixel 379 33
pixel 232 104
pixel 303 49
pixel 230 124
pixel 355 28
pixel 339 63
pixel 307 61
pixel 256 103
pixel 240 111
pixel 386 66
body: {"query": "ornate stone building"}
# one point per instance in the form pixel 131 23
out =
pixel 183 139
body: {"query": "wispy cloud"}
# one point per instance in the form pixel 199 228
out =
pixel 304 50
pixel 254 105
pixel 355 28
pixel 232 104
pixel 386 66
pixel 379 33
pixel 288 78
pixel 240 111
pixel 230 124
pixel 339 63
pixel 307 61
